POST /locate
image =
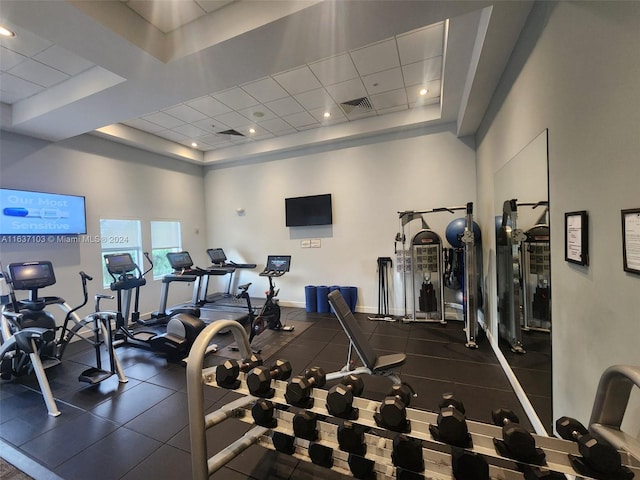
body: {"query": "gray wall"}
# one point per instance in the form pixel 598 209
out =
pixel 370 181
pixel 118 182
pixel 575 71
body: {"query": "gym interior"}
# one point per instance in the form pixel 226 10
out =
pixel 532 105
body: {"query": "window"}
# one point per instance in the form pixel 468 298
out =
pixel 120 236
pixel 165 238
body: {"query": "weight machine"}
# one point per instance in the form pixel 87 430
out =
pixel 429 275
pixel 523 265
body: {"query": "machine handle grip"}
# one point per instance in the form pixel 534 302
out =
pixel 469 208
pixel 85 276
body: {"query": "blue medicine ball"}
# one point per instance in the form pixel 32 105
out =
pixel 455 230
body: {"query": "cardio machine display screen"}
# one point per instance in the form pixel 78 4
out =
pixel 119 263
pixel 30 275
pixel 278 263
pixel 179 260
pixel 217 255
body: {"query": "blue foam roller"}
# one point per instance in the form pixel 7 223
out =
pixel 322 300
pixel 353 296
pixel 346 294
pixel 311 298
pixel 331 289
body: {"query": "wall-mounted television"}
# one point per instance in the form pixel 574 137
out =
pixel 39 213
pixel 306 211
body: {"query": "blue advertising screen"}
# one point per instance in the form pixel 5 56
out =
pixel 37 213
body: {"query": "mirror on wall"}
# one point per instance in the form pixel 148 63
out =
pixel 523 270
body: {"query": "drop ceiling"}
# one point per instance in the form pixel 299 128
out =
pixel 243 79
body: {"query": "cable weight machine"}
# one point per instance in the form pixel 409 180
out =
pixel 425 263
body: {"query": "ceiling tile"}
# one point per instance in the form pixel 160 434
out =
pixel 26 43
pixel 425 102
pixel 315 99
pixel 190 131
pixel 233 119
pixel 164 120
pixel 285 106
pixel 349 90
pixel 18 86
pixel 38 73
pixel 383 81
pixel 421 44
pixel 209 106
pixel 384 111
pixel 218 140
pixel 63 60
pixel 144 125
pixel 420 72
pixel 171 135
pixel 265 90
pixel 376 58
pixel 298 80
pixel 258 131
pixel 335 69
pixel 9 58
pixel 300 119
pixel 257 113
pixel 413 92
pixel 276 125
pixel 209 126
pixel 9 98
pixel 185 113
pixel 235 98
pixel 263 136
pixel 394 98
pixel 335 111
pixel 357 114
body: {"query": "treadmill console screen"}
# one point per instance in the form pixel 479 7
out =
pixel 180 260
pixel 31 275
pixel 217 255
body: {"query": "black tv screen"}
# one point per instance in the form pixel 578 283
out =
pixel 38 213
pixel 306 211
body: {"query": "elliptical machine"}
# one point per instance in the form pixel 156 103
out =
pixel 181 328
pixel 29 343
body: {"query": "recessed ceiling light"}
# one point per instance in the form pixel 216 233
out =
pixel 258 114
pixel 252 130
pixel 194 144
pixel 5 32
pixel 327 114
pixel 424 91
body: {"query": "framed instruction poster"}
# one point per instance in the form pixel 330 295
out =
pixel 631 240
pixel 576 237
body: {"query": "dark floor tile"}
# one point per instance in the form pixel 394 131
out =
pixel 166 463
pixel 333 353
pixel 397 329
pixel 164 420
pixel 131 403
pixel 226 473
pixel 173 377
pixel 454 351
pixel 59 444
pixel 28 405
pixel 309 471
pixel 428 391
pixel 112 457
pixel 534 382
pixel 218 437
pixel 544 409
pixel 92 395
pixel 451 332
pixel 531 360
pixel 317 334
pixel 260 463
pixel 388 343
pixel 469 373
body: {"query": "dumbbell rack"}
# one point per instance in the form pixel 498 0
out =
pixel 437 456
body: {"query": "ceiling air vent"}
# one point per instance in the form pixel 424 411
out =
pixel 359 105
pixel 231 132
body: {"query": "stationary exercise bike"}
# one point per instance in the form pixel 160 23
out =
pixel 269 315
pixel 181 328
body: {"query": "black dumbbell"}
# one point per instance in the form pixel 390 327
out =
pixel 534 473
pixel 340 397
pixel 518 443
pixel 596 453
pixel 259 379
pixel 407 453
pixel 305 425
pixel 283 443
pixel 351 438
pixel 468 466
pixel 298 391
pixel 263 413
pixel 393 409
pixel 321 455
pixel 361 468
pixel 452 424
pixel 227 373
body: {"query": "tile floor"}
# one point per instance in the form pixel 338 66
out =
pixel 139 430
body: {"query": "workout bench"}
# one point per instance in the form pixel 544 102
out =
pixel 372 363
